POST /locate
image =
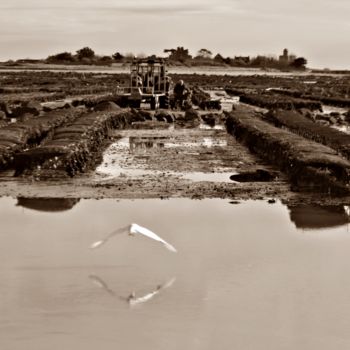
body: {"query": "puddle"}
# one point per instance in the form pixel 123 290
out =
pixel 60 103
pixel 115 159
pixel 327 110
pixel 140 143
pixel 132 155
pixel 343 128
pixel 312 82
pixel 204 126
pixel 137 143
pixel 226 100
pixel 331 109
pixel 207 142
pixel 248 268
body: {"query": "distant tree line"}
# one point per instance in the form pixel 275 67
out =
pixel 86 55
pixel 205 57
pixel 181 56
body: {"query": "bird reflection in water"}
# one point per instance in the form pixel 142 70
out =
pixel 131 299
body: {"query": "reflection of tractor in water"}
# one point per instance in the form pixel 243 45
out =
pixel 148 84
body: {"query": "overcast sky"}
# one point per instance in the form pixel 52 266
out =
pixel 317 30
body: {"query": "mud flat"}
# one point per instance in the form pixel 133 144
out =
pixel 126 153
pixel 310 165
pixel 160 162
pixel 163 154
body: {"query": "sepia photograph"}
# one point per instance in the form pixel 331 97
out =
pixel 174 175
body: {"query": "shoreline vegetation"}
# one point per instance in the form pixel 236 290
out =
pixel 179 58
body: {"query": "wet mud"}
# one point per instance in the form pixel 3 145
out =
pixel 160 163
pixel 68 135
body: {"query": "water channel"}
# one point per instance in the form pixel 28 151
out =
pixel 247 275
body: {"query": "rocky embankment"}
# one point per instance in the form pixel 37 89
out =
pixel 310 166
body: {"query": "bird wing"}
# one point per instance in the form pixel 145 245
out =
pixel 168 284
pixel 148 233
pixel 143 299
pixel 98 244
pixel 149 296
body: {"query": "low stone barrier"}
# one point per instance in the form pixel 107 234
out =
pixel 274 100
pixel 332 101
pixel 72 148
pixel 18 136
pixel 303 126
pixel 311 166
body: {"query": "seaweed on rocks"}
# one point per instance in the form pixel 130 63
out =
pixel 16 137
pixel 310 166
pixel 303 126
pixel 72 148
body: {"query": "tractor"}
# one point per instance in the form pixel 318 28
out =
pixel 148 84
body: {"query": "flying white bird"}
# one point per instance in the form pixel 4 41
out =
pixel 131 299
pixel 134 229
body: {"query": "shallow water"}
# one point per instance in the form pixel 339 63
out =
pixel 118 162
pixel 244 276
pixel 331 109
pixel 343 128
pixel 226 100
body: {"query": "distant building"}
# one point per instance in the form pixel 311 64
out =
pixel 286 58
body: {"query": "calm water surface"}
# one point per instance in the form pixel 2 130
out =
pixel 246 276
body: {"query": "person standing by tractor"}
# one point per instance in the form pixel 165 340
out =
pixel 181 94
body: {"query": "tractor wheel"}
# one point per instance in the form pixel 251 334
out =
pixel 154 103
pixel 164 102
